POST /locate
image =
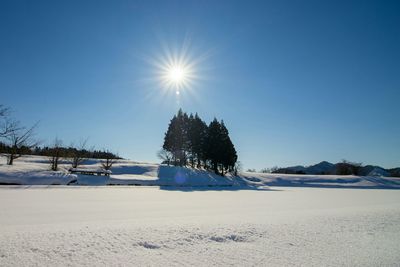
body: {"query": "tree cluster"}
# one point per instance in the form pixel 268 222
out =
pixel 348 168
pixel 190 141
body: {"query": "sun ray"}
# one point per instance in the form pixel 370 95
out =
pixel 176 72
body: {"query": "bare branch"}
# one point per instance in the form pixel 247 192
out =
pixel 165 156
pixel 109 160
pixel 78 153
pixel 4 111
pixel 7 125
pixel 55 154
pixel 20 140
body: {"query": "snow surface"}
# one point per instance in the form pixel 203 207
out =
pixel 155 226
pixel 34 170
pixel 193 217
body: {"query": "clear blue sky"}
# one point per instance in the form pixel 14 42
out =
pixel 296 82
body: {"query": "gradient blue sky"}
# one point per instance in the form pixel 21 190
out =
pixel 296 82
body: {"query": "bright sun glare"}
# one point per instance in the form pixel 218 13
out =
pixel 176 74
pixel 177 70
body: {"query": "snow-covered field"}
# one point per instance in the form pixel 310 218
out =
pixel 193 217
pixel 142 226
pixel 33 170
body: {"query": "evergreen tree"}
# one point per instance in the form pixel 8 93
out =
pixel 199 146
pixel 220 150
pixel 229 156
pixel 169 142
pixel 197 133
pixel 214 147
pixel 175 139
pixel 189 137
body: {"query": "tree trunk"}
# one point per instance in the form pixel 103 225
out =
pixel 215 167
pixel 10 159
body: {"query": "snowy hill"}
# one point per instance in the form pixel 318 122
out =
pixel 34 170
pixel 322 167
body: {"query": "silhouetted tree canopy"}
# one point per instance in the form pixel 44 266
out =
pixel 191 141
pixel 64 151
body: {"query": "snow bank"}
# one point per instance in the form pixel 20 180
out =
pixel 330 181
pixel 34 170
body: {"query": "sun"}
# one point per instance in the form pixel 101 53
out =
pixel 176 75
pixel 178 70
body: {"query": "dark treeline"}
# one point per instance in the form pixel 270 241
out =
pixel 64 152
pixel 190 141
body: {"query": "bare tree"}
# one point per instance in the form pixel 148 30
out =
pixel 238 168
pixel 7 125
pixel 55 154
pixel 78 156
pixel 109 160
pixel 274 169
pixel 165 156
pixel 20 139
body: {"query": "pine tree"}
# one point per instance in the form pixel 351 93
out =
pixel 197 132
pixel 201 138
pixel 214 147
pixel 220 150
pixel 229 156
pixel 189 137
pixel 175 139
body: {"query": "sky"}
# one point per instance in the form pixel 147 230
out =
pixel 296 82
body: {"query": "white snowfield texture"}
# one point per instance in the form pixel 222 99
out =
pixel 34 170
pixel 175 226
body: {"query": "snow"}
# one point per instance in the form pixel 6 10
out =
pixel 378 172
pixel 181 216
pixel 34 170
pixel 328 181
pixel 158 226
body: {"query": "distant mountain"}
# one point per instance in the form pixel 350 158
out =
pixel 371 170
pixel 325 167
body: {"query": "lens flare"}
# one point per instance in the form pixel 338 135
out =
pixel 176 71
pixel 176 74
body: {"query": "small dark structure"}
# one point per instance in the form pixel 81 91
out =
pixel 90 172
